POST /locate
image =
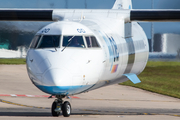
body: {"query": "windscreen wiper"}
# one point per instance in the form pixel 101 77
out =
pixel 69 42
pixel 53 43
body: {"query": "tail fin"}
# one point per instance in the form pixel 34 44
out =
pixel 122 4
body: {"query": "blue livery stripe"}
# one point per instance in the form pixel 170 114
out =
pixel 63 90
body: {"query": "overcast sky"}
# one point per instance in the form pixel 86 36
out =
pixel 104 4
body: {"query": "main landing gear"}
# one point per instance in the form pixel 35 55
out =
pixel 59 106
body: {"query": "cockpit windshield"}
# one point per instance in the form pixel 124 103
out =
pixel 91 42
pixel 35 41
pixel 54 41
pixel 73 41
pixel 49 41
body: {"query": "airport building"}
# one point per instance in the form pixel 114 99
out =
pixel 167 43
pixel 165 46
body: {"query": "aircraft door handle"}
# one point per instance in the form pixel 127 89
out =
pixel 31 60
pixel 88 61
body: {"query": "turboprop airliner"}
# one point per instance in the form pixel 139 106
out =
pixel 85 49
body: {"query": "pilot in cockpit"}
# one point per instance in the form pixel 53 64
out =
pixel 76 43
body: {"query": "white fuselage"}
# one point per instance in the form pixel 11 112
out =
pixel 58 71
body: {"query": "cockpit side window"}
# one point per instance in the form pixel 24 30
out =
pixel 92 42
pixel 35 41
pixel 73 41
pixel 49 41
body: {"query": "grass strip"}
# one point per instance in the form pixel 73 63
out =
pixel 14 61
pixel 160 77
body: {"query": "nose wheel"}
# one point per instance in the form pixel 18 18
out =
pixel 66 109
pixel 59 106
pixel 54 110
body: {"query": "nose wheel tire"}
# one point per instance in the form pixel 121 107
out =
pixel 53 108
pixel 66 109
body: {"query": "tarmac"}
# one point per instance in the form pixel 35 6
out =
pixel 21 100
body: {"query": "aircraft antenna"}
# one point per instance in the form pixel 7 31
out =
pixel 85 4
pixel 66 1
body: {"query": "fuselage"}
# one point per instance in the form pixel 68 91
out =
pixel 106 53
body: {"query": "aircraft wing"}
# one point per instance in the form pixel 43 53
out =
pixel 60 14
pixel 26 15
pixel 155 15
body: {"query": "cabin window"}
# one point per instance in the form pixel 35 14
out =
pixel 91 42
pixel 49 41
pixel 35 41
pixel 73 41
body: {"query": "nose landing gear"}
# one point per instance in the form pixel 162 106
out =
pixel 58 106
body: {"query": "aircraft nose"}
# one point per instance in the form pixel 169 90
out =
pixel 57 81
